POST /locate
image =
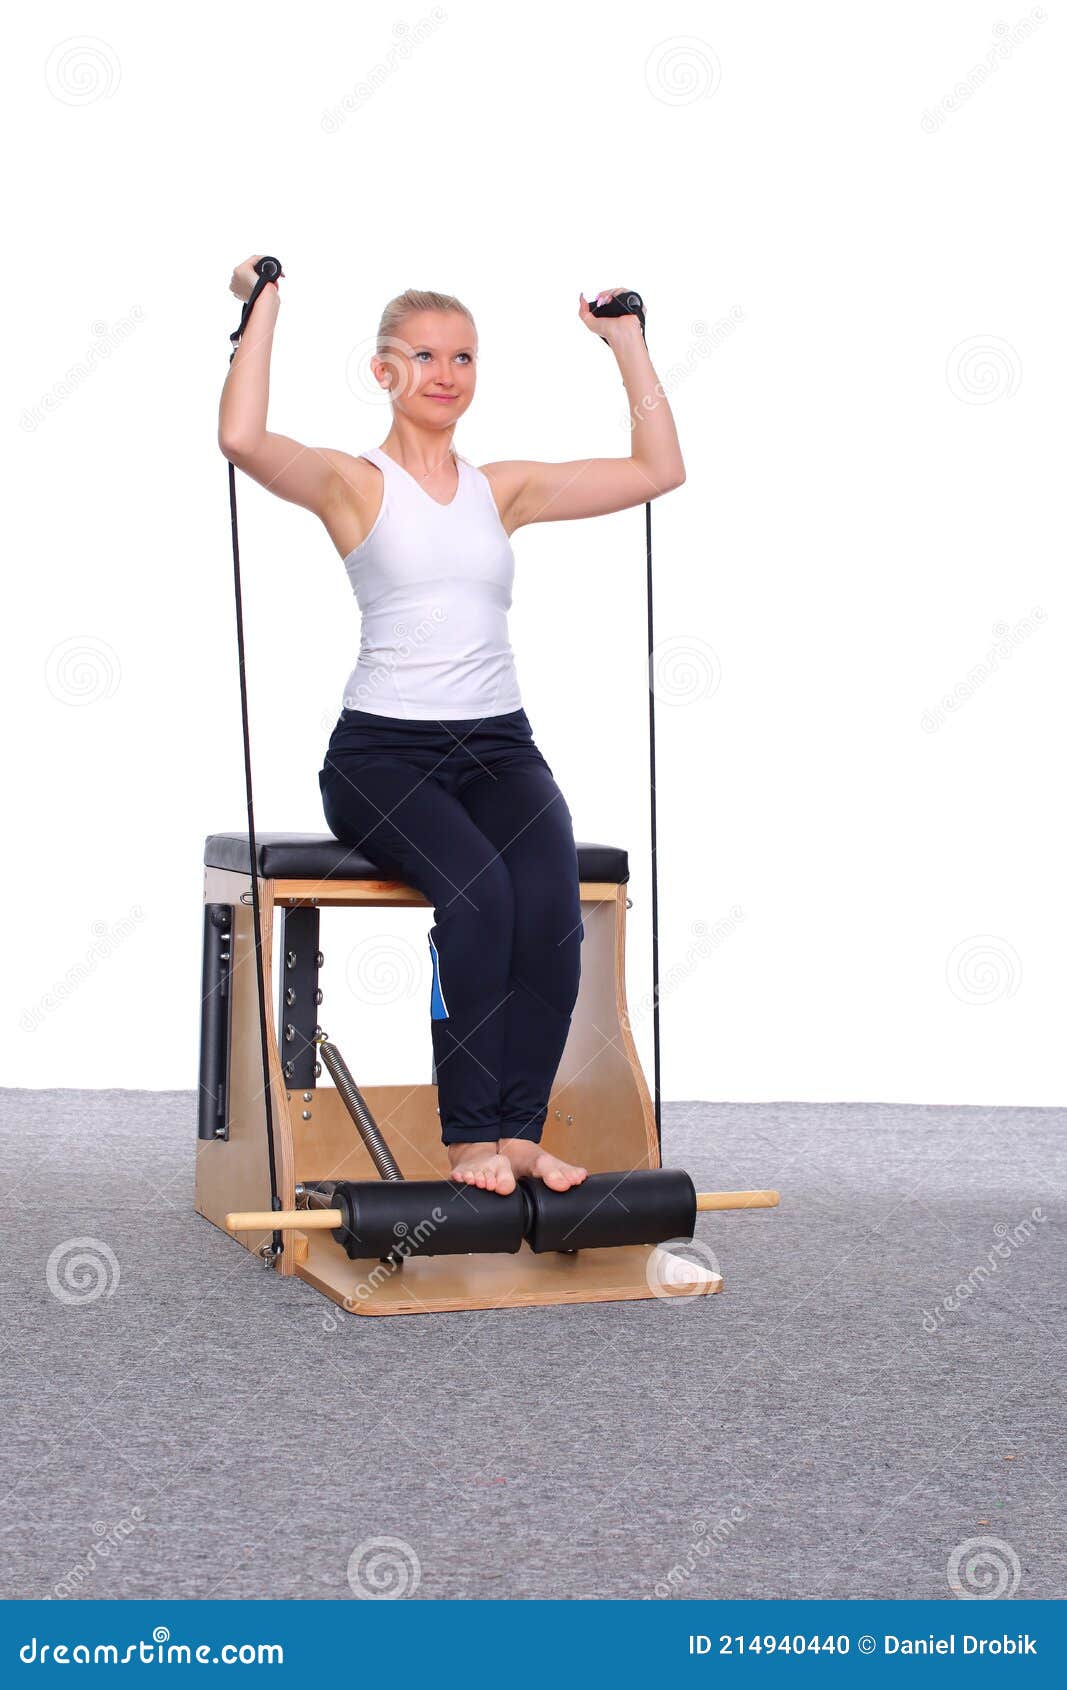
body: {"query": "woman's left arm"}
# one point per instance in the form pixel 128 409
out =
pixel 527 491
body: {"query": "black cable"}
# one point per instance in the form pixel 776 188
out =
pixel 630 304
pixel 267 269
pixel 652 801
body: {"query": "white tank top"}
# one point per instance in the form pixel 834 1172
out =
pixel 433 583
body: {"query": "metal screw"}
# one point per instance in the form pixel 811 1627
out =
pixel 305 1114
pixel 307 1097
pixel 319 959
pixel 290 959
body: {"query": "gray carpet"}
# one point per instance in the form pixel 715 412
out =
pixel 878 1384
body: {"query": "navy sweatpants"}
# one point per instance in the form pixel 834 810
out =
pixel 468 812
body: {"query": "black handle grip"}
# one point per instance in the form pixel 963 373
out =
pixel 268 270
pixel 626 304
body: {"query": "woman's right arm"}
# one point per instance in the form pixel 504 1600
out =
pixel 316 477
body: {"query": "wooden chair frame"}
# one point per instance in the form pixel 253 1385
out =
pixel 600 1114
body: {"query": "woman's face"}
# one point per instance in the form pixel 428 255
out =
pixel 430 367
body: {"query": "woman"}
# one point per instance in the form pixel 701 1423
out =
pixel 432 769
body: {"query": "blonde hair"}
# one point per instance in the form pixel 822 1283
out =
pixel 405 304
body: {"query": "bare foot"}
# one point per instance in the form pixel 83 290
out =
pixel 481 1165
pixel 526 1157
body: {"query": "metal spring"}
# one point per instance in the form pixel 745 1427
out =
pixel 355 1103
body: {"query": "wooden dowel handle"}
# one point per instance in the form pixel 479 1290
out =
pixel 284 1220
pixel 737 1200
pixel 328 1220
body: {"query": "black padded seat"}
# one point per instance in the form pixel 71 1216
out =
pixel 319 856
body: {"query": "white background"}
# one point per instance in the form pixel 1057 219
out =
pixel 875 461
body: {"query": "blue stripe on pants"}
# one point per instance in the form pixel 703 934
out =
pixel 438 1012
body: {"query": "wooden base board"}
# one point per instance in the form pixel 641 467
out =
pixel 440 1284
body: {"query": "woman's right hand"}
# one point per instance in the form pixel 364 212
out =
pixel 245 278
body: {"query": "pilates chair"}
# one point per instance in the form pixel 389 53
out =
pixel 600 1112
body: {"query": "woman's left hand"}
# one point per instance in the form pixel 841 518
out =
pixel 615 330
